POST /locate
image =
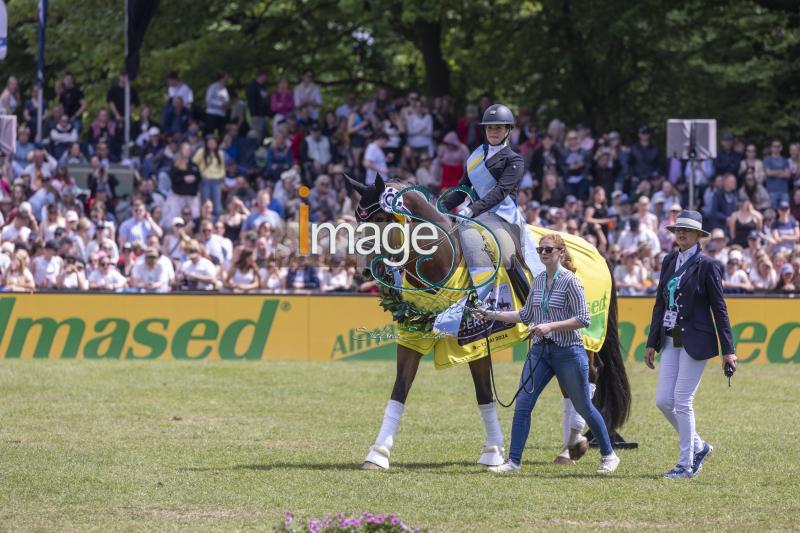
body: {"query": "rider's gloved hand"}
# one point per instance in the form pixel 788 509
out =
pixel 466 212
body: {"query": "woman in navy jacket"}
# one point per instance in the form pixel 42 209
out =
pixel 682 329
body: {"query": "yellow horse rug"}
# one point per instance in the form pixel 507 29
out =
pixel 470 344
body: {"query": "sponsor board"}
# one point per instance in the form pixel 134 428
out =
pixel 302 327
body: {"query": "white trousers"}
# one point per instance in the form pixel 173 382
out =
pixel 678 379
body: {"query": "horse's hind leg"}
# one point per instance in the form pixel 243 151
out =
pixel 575 444
pixel 492 453
pixel 407 365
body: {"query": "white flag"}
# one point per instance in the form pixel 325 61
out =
pixel 3 30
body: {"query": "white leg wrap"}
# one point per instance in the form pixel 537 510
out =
pixel 492 453
pixel 378 455
pixel 380 451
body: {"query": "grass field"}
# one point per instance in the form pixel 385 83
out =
pixel 199 446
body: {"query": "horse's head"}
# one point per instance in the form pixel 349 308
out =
pixel 369 208
pixel 376 205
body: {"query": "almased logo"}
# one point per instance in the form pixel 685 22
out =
pixel 148 338
pixel 597 315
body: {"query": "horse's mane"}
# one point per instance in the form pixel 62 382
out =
pixel 425 207
pixel 419 204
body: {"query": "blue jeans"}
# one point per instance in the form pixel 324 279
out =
pixel 212 189
pixel 571 365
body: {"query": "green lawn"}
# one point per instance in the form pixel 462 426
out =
pixel 199 446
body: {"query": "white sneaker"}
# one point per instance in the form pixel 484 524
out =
pixel 507 467
pixel 608 463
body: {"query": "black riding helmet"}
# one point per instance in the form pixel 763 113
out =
pixel 498 114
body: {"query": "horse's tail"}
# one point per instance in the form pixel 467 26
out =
pixel 613 396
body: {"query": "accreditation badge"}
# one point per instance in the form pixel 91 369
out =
pixel 670 318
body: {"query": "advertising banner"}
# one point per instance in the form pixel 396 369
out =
pixel 301 327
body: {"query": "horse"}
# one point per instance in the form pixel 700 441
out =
pixel 607 369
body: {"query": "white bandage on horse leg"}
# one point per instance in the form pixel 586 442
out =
pixel 391 420
pixel 491 425
pixel 566 421
pixel 577 423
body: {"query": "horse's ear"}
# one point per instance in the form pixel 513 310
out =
pixel 357 185
pixel 379 185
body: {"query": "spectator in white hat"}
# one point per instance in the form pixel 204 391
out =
pixel 174 239
pixel 716 247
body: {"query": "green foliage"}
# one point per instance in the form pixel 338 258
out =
pixel 613 64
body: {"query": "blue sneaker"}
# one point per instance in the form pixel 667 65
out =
pixel 679 472
pixel 701 456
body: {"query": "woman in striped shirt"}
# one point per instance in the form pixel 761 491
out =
pixel 555 312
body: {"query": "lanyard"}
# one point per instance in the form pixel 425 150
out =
pixel 547 293
pixel 671 287
pixel 673 283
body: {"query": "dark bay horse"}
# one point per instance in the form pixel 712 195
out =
pixel 613 390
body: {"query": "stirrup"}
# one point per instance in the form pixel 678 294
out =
pixel 378 455
pixel 492 456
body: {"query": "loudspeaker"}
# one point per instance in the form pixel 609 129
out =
pixel 685 136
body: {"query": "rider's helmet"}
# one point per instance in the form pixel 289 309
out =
pixel 498 114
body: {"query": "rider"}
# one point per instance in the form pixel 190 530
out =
pixel 494 171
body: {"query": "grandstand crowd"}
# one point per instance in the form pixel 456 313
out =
pixel 205 197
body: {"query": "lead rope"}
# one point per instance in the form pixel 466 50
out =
pixel 524 382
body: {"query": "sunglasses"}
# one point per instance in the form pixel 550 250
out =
pixel 546 249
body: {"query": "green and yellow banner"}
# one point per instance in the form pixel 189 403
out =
pixel 304 327
pixel 595 277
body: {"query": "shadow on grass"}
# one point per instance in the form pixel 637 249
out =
pixel 532 469
pixel 327 466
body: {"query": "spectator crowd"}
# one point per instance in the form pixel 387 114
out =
pixel 213 199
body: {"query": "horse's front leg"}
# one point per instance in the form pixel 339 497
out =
pixel 492 453
pixel 407 365
pixel 575 444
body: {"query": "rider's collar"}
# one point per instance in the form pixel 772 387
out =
pixel 494 148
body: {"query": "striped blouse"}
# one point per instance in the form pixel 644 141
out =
pixel 567 300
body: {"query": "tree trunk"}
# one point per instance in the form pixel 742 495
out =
pixel 428 40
